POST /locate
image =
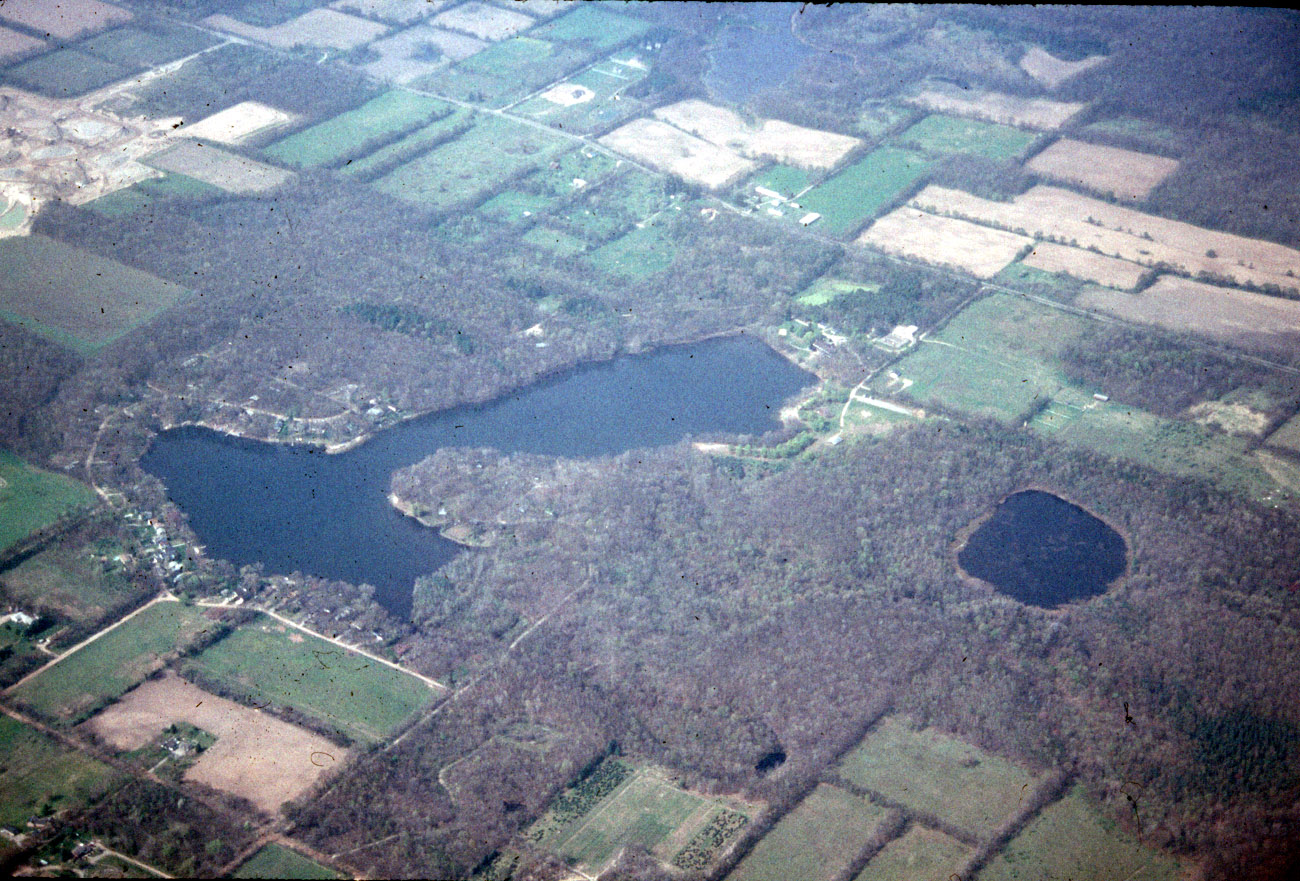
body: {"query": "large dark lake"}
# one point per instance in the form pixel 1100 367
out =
pixel 1044 551
pixel 295 508
pixel 756 51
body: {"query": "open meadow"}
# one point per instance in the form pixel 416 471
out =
pixel 343 137
pixel 274 861
pixel 268 662
pixel 919 855
pixel 65 19
pixel 938 775
pixel 1085 265
pixel 591 100
pixel 228 171
pixel 32 498
pixel 945 241
pixel 815 842
pixel 764 139
pixel 1033 113
pixel 939 133
pixel 256 756
pixel 323 28
pixel 1127 174
pixel 38 775
pixel 67 578
pixel 859 192
pixel 99 672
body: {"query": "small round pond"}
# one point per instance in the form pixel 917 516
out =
pixel 1044 551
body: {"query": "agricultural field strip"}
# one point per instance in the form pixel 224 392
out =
pixel 1125 173
pixel 674 151
pixel 1054 214
pixel 769 138
pixel 934 238
pixel 165 598
pixel 1086 265
pixel 1036 113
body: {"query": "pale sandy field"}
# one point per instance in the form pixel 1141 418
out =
pixel 256 756
pixel 235 174
pixel 769 139
pixel 395 11
pixel 669 149
pixel 486 22
pixel 1035 113
pixel 1126 173
pixel 1086 265
pixel 236 124
pixel 944 241
pixel 1051 71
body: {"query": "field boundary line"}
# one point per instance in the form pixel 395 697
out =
pixel 164 598
pixel 108 851
pixel 604 805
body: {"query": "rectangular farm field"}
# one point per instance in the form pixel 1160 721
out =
pixel 815 842
pixel 592 100
pixel 267 661
pixel 68 578
pixel 590 25
pixel 228 171
pixel 64 19
pixel 76 298
pixel 940 133
pixel 938 774
pixel 347 134
pixel 67 73
pixel 920 855
pixel 407 148
pixel 37 771
pixel 506 71
pixel 640 253
pixel 460 171
pixel 157 44
pixel 102 670
pixel 848 199
pixel 274 861
pixel 785 180
pixel 32 498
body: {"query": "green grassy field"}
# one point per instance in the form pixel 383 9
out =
pixel 592 26
pixel 268 662
pixel 941 775
pixel 560 243
pixel 815 841
pixel 878 120
pixel 67 73
pixel 39 776
pixel 513 207
pixel 951 134
pixel 274 861
pixel 459 171
pixel 787 180
pixel 850 198
pixel 94 675
pixel 920 855
pixel 337 139
pixel 1072 841
pixel 640 253
pixel 607 105
pixel 76 298
pixel 31 498
pixel 506 71
pixel 142 196
pixel 67 579
pixel 824 290
pixel 1037 281
pixel 424 138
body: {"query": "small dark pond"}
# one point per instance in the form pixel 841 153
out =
pixel 1043 551
pixel 756 52
pixel 295 508
pixel 774 759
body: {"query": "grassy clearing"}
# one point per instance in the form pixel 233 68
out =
pixel 142 196
pixel 70 580
pixel 940 133
pixel 880 120
pixel 1071 840
pixel 406 148
pixel 931 772
pixel 640 253
pixel 100 672
pixel 274 861
pixel 335 140
pixel 787 180
pixel 39 776
pixel 591 26
pixel 505 71
pixel 850 198
pixel 31 498
pixel 560 243
pixel 67 73
pixel 268 662
pixel 816 840
pixel 824 290
pixel 76 298
pixel 459 171
pixel 513 208
pixel 920 855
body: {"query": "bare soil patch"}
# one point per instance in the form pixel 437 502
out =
pixel 1232 418
pixel 419 51
pixel 770 138
pixel 945 241
pixel 1071 218
pixel 395 11
pixel 64 18
pixel 234 125
pixel 1125 173
pixel 14 45
pixel 1086 265
pixel 212 165
pixel 1251 320
pixel 672 150
pixel 1051 71
pixel 485 22
pixel 256 756
pixel 1035 113
pixel 324 28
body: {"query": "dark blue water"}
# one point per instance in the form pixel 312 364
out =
pixel 1043 551
pixel 756 52
pixel 295 508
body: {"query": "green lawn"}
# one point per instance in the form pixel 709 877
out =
pixel 458 172
pixel 1071 841
pixel 31 498
pixel 76 298
pixel 920 855
pixel 824 290
pixel 814 842
pixel 849 199
pixel 590 25
pixel 274 861
pixel 787 180
pixel 339 138
pixel 267 661
pixel 39 776
pixel 100 672
pixel 506 71
pixel 941 775
pixel 951 134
